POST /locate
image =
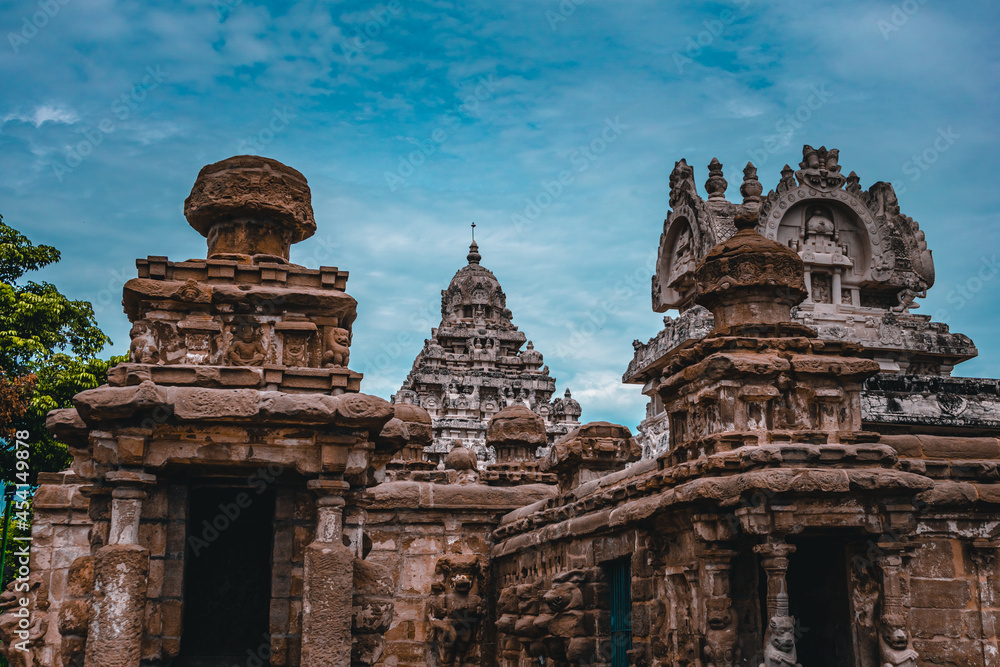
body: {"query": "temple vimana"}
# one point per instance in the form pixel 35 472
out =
pixel 473 367
pixel 811 485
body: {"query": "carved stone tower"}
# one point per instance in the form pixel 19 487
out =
pixel 473 366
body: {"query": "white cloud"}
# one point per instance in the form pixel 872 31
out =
pixel 45 113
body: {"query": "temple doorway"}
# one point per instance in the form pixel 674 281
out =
pixel 227 587
pixel 819 600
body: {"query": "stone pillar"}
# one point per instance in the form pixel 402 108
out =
pixel 894 641
pixel 121 569
pixel 328 582
pixel 774 560
pixel 983 554
pixel 779 638
pixel 835 296
pixel 890 563
pixel 721 623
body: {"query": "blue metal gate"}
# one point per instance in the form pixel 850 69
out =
pixel 620 578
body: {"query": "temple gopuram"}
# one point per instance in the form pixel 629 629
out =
pixel 824 492
pixel 473 366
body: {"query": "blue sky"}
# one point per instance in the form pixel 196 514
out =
pixel 412 119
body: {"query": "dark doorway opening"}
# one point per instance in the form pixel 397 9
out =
pixel 619 574
pixel 820 602
pixel 227 587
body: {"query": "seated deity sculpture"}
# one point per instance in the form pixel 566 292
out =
pixel 247 351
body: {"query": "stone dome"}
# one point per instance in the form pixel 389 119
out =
pixel 531 357
pixel 570 405
pixel 418 421
pixel 516 423
pixel 461 458
pixel 248 205
pixel 749 279
pixel 474 294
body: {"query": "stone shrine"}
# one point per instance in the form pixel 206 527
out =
pixel 211 511
pixel 826 495
pixel 865 263
pixel 473 366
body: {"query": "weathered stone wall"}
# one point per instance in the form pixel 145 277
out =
pixel 415 528
pixel 951 593
pixel 62 572
pixel 294 529
pixel 162 530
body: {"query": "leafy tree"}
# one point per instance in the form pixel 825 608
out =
pixel 48 347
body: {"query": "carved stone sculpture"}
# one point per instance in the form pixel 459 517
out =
pixel 456 609
pixel 246 350
pixel 338 351
pixel 895 645
pixel 372 611
pixel 721 637
pixel 779 647
pixel 143 349
pixel 820 168
pixel 296 349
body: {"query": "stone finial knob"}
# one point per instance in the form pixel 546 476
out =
pixel 751 188
pixel 474 257
pixel 248 205
pixel 716 184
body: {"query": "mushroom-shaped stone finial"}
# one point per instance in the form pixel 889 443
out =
pixel 249 206
pixel 749 279
pixel 515 432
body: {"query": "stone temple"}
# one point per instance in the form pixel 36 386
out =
pixel 473 366
pixel 825 492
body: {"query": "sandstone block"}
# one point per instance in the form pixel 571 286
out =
pixel 940 593
pixel 949 447
pixel 327 617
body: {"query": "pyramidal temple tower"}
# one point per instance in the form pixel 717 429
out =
pixel 476 363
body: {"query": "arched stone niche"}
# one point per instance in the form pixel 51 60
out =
pixel 840 242
pixel 683 243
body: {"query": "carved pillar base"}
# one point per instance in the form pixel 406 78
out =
pixel 779 638
pixel 328 585
pixel 326 605
pixel 115 635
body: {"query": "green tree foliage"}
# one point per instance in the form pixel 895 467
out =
pixel 46 335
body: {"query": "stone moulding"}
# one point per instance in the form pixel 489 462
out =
pixel 200 403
